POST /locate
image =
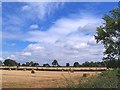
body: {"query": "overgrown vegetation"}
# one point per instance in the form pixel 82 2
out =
pixel 107 79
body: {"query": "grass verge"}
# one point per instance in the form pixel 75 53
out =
pixel 107 79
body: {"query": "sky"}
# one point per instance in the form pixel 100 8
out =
pixel 44 31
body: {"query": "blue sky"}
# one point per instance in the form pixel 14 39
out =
pixel 42 32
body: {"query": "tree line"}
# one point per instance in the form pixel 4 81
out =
pixel 10 62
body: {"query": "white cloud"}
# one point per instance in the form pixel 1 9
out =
pixel 34 26
pixel 35 47
pixel 26 53
pixel 26 7
pixel 66 27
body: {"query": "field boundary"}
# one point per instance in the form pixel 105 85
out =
pixel 54 68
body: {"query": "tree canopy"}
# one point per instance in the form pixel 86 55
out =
pixel 55 63
pixel 109 35
pixel 9 62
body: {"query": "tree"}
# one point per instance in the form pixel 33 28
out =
pixel 86 64
pixel 31 63
pixel 1 63
pixel 55 63
pixel 67 64
pixel 76 64
pixel 23 64
pixel 18 64
pixel 35 64
pixel 93 64
pixel 46 65
pixel 27 64
pixel 9 62
pixel 109 35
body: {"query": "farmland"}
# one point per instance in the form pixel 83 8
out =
pixel 42 79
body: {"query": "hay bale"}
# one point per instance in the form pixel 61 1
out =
pixel 32 71
pixel 24 69
pixel 86 74
pixel 71 70
pixel 10 69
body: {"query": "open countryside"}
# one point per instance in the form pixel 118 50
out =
pixel 60 45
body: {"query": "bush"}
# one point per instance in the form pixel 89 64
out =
pixel 108 79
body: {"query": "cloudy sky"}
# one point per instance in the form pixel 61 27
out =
pixel 44 31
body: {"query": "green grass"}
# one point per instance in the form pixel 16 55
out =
pixel 107 79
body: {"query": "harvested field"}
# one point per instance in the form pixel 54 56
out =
pixel 40 79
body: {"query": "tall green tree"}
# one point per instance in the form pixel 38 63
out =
pixel 109 35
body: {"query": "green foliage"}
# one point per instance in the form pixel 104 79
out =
pixel 9 62
pixel 76 64
pixel 107 79
pixel 46 65
pixel 109 35
pixel 67 64
pixel 30 64
pixel 93 64
pixel 55 63
pixel 1 63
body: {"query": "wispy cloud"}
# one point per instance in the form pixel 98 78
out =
pixel 42 9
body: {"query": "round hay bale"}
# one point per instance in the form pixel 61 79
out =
pixel 71 70
pixel 85 74
pixel 24 69
pixel 10 69
pixel 32 71
pixel 37 68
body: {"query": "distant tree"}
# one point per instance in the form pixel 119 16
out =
pixel 67 64
pixel 86 64
pixel 27 64
pixel 46 65
pixel 23 64
pixel 1 63
pixel 9 62
pixel 31 63
pixel 18 64
pixel 93 64
pixel 76 64
pixel 35 64
pixel 109 35
pixel 55 63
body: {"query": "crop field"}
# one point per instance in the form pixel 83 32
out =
pixel 41 79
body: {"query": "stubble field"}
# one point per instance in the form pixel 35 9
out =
pixel 41 79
